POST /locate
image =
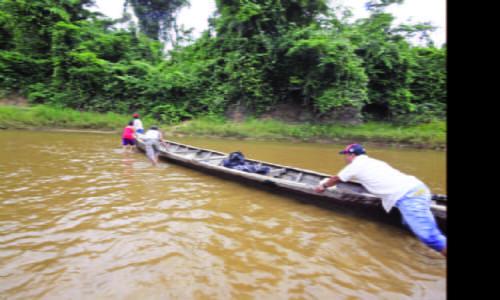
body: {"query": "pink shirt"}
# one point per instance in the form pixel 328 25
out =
pixel 128 133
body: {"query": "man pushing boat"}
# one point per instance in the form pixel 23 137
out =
pixel 152 140
pixel 410 195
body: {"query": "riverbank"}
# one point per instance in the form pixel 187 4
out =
pixel 424 136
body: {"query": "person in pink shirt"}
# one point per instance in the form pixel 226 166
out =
pixel 128 136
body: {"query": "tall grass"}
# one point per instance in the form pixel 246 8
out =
pixel 430 134
pixel 51 117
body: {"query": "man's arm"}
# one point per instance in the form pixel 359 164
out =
pixel 331 182
pixel 163 142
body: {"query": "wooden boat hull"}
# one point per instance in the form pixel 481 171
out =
pixel 293 182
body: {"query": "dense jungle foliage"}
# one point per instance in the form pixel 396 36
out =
pixel 255 53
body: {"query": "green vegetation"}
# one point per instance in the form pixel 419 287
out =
pixel 430 134
pixel 41 116
pixel 256 53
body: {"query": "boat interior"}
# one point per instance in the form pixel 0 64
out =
pixel 216 159
pixel 292 174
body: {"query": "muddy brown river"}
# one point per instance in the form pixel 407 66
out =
pixel 79 219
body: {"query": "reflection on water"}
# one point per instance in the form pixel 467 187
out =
pixel 79 219
pixel 128 165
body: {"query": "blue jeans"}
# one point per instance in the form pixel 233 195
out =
pixel 415 209
pixel 140 130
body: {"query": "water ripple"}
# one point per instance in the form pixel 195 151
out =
pixel 81 220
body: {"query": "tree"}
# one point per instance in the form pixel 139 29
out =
pixel 388 59
pixel 256 53
pixel 156 17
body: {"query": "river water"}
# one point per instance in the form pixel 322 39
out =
pixel 79 219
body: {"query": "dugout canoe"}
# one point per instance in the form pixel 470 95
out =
pixel 348 197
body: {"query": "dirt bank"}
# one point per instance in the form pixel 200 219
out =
pixel 13 100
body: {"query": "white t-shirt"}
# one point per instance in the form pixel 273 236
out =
pixel 379 178
pixel 137 124
pixel 152 134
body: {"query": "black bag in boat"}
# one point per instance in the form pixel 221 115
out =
pixel 236 161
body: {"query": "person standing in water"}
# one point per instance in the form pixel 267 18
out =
pixel 128 136
pixel 138 124
pixel 152 141
pixel 410 195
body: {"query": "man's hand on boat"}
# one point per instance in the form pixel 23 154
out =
pixel 326 183
pixel 164 144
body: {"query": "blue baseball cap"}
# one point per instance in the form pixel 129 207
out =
pixel 354 148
